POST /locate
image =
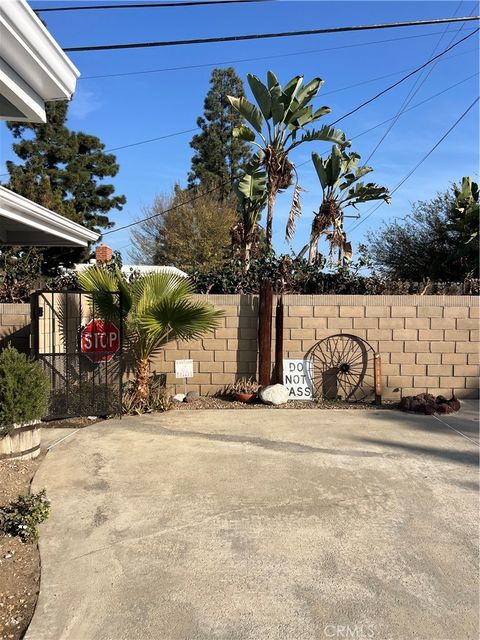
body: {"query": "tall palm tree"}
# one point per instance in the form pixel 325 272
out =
pixel 338 174
pixel 277 126
pixel 156 308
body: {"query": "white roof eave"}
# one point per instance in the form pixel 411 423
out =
pixel 29 49
pixel 18 209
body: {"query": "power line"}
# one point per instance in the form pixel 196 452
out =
pixel 178 133
pixel 135 144
pixel 395 84
pixel 262 36
pixel 418 84
pixel 150 5
pixel 412 171
pixel 415 106
pixel 161 213
pixel 270 57
pixel 389 75
pixel 202 195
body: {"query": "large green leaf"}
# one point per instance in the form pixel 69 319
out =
pixel 243 133
pixel 365 193
pixel 324 134
pixel 272 80
pixel 253 186
pixel 309 91
pixel 261 94
pixel 336 166
pixel 292 86
pixel 350 178
pixel 278 104
pixel 320 169
pixel 248 110
pixel 320 112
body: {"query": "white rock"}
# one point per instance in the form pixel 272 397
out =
pixel 274 394
pixel 180 397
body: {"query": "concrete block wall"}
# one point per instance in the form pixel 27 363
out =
pixel 427 343
pixel 15 326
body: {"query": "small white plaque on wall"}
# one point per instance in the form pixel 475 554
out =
pixel 184 368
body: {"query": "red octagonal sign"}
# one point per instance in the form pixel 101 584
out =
pixel 99 340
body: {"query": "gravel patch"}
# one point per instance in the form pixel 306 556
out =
pixel 213 402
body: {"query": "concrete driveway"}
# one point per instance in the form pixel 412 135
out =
pixel 260 525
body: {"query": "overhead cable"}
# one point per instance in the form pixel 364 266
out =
pixel 263 36
pixel 269 57
pixel 395 84
pixel 147 5
pixel 412 171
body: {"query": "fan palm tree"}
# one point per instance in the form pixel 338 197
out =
pixel 156 308
pixel 276 127
pixel 338 175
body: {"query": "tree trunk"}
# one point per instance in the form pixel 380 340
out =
pixel 269 230
pixel 312 251
pixel 247 250
pixel 265 333
pixel 279 341
pixel 141 379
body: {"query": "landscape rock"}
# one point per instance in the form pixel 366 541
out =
pixel 179 397
pixel 427 403
pixel 274 394
pixel 192 396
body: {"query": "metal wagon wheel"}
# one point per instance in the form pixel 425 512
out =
pixel 342 367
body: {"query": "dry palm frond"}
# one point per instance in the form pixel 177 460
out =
pixel 295 211
pixel 279 170
pixel 237 234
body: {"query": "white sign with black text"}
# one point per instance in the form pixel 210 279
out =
pixel 297 377
pixel 184 368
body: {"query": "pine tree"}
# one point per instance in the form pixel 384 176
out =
pixel 63 170
pixel 218 156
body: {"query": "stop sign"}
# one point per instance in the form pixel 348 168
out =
pixel 99 340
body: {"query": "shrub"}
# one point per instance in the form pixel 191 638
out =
pixel 20 518
pixel 294 275
pixel 158 398
pixel 24 390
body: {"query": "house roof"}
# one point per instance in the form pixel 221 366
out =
pixel 23 222
pixel 33 67
pixel 128 269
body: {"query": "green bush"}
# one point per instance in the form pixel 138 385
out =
pixel 20 518
pixel 24 390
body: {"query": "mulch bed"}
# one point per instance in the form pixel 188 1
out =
pixel 213 402
pixel 19 562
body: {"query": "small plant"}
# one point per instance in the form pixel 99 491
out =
pixel 24 390
pixel 158 399
pixel 20 518
pixel 244 385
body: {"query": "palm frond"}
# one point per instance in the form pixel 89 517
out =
pixel 295 212
pixel 101 283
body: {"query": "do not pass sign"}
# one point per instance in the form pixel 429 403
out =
pixel 100 340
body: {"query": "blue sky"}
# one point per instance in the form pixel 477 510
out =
pixel 123 110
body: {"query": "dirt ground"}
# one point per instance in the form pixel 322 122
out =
pixel 19 562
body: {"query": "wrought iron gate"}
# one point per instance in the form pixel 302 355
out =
pixel 86 372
